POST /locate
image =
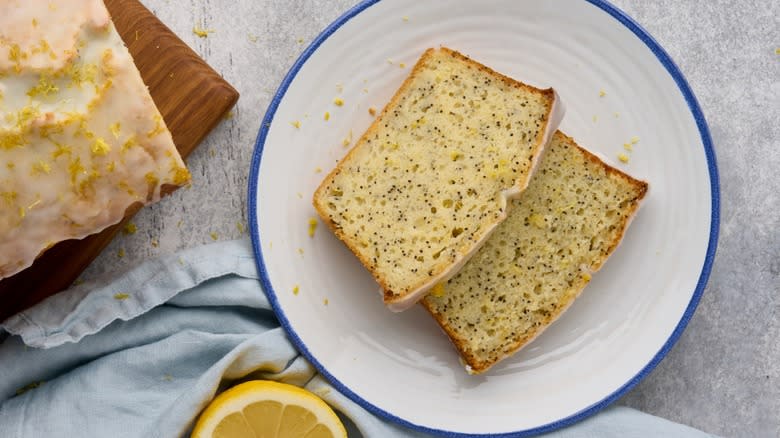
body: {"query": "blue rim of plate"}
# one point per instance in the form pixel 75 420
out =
pixel 704 132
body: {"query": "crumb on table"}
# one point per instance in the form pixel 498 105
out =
pixel 129 228
pixel 201 32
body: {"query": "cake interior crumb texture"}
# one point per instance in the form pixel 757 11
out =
pixel 558 232
pixel 423 186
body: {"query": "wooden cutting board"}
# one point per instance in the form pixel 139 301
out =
pixel 192 98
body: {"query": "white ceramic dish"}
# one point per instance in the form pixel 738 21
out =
pixel 401 366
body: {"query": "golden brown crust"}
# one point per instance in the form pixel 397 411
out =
pixel 479 366
pixel 166 189
pixel 389 295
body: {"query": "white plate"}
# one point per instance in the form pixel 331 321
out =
pixel 401 366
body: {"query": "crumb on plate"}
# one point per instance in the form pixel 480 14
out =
pixel 312 226
pixel 347 141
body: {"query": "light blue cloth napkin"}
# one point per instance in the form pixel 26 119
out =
pixel 140 355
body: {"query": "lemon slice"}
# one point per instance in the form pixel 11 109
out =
pixel 269 410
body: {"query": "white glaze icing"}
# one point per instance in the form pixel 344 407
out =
pixel 80 138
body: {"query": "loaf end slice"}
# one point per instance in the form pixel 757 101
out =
pixel 559 231
pixel 429 180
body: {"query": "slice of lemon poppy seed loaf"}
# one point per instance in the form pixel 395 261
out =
pixel 559 231
pixel 429 180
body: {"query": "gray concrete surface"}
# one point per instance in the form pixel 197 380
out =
pixel 723 376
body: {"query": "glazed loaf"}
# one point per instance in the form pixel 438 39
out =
pixel 81 140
